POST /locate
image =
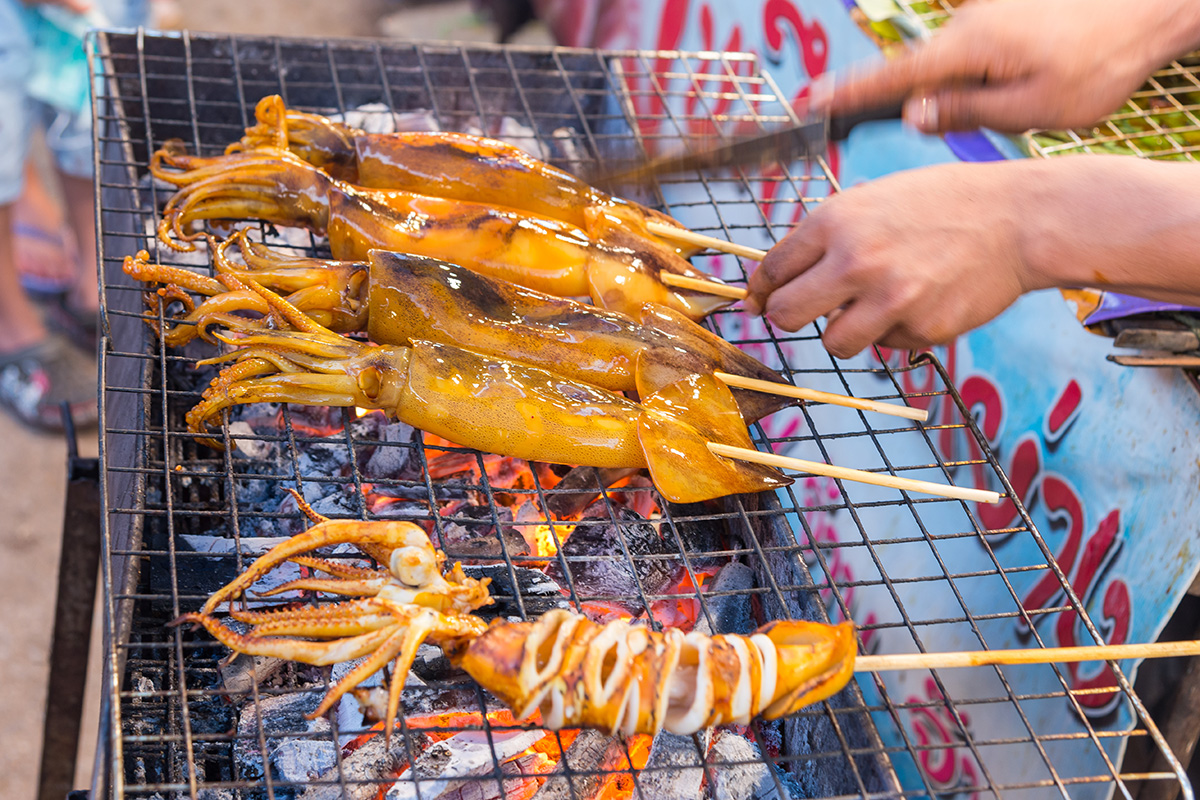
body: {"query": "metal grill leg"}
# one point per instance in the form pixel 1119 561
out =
pixel 78 565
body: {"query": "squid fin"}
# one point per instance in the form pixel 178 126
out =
pixel 674 430
pixel 704 351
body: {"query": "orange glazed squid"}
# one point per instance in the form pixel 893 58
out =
pixel 494 405
pixel 458 166
pixel 617 271
pixel 397 298
pixel 625 678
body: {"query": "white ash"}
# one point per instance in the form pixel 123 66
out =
pixel 239 675
pixel 350 718
pixel 281 716
pixel 392 456
pixel 674 769
pixel 300 760
pixel 247 441
pixel 520 779
pixel 366 769
pixel 448 764
pixel 378 118
pixel 738 771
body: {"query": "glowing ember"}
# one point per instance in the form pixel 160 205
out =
pixel 619 785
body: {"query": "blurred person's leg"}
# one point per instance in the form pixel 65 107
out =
pixel 39 370
pixel 45 247
pixel 20 322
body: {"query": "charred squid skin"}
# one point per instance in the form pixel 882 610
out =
pixel 450 164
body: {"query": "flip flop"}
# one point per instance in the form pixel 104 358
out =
pixel 35 381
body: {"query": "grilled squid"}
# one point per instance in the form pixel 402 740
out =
pixel 398 298
pixel 625 678
pixel 457 166
pixel 410 601
pixel 616 269
pixel 494 405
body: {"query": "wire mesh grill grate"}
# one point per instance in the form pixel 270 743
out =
pixel 1159 121
pixel 181 519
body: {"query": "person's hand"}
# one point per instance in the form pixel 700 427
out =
pixel 1012 65
pixel 907 261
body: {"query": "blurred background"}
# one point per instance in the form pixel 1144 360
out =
pixel 32 464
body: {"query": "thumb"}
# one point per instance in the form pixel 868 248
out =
pixel 1009 108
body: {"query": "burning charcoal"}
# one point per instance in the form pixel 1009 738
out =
pixel 675 768
pixel 320 461
pixel 599 566
pixel 731 613
pixel 520 780
pixel 588 754
pixel 248 443
pixel 539 592
pixel 365 770
pixel 738 772
pixel 239 675
pixel 389 460
pixel 432 665
pixel 299 760
pixel 581 487
pixel 339 504
pixel 451 763
pixel 480 542
pixel 280 715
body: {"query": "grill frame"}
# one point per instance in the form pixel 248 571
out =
pixel 130 398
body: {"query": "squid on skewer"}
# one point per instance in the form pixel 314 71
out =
pixel 625 678
pixel 457 166
pixel 618 272
pixel 397 298
pixel 495 405
pixel 401 606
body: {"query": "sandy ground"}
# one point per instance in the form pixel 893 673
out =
pixel 33 466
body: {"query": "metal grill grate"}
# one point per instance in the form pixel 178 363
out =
pixel 178 727
pixel 1159 121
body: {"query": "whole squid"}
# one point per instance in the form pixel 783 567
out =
pixel 397 298
pixel 494 405
pixel 458 166
pixel 617 271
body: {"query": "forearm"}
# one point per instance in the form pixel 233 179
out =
pixel 1110 222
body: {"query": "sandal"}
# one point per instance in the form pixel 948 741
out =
pixel 35 381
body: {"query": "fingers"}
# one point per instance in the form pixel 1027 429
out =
pixel 946 59
pixel 1007 108
pixel 857 327
pixel 800 250
pixel 820 291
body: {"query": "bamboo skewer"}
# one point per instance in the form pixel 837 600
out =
pixel 701 285
pixel 848 474
pixel 1046 655
pixel 700 240
pixel 817 396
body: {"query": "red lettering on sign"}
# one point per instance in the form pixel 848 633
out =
pixel 1023 470
pixel 950 768
pixel 814 44
pixel 1101 547
pixel 1062 503
pixel 1065 410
